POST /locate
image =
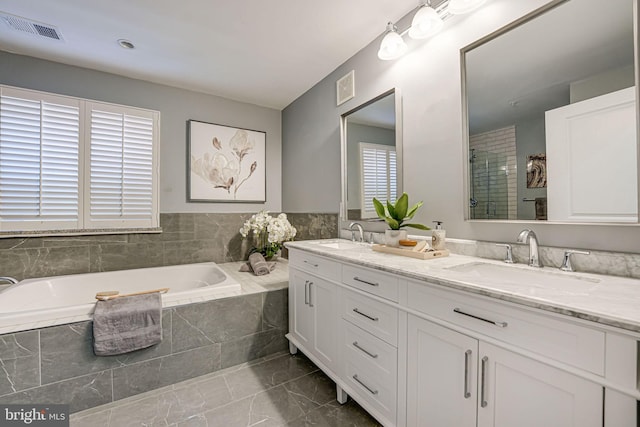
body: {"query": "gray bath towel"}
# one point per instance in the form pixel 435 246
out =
pixel 258 264
pixel 126 324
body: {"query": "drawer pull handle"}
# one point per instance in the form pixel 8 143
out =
pixel 483 383
pixel 493 322
pixel 365 351
pixel 357 279
pixel 369 389
pixel 467 360
pixel 306 292
pixel 355 310
pixel 310 263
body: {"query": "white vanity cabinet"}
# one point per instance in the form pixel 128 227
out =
pixel 413 353
pixel 313 311
pixel 456 380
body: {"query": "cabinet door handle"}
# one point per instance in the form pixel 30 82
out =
pixel 356 310
pixel 310 295
pixel 369 389
pixel 306 292
pixel 310 263
pixel 357 279
pixel 467 360
pixel 365 351
pixel 493 322
pixel 483 383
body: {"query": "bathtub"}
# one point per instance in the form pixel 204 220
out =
pixel 48 301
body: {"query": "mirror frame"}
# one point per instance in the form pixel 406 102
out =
pixel 465 114
pixel 344 206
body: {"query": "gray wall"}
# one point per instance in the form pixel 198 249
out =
pixel 176 106
pixel 428 78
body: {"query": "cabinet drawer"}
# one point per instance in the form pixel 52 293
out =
pixel 373 316
pixel 377 391
pixel 545 335
pixel 372 281
pixel 364 349
pixel 314 264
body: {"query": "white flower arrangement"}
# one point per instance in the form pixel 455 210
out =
pixel 269 233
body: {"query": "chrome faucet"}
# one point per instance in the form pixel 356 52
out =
pixel 8 279
pixel 353 233
pixel 529 237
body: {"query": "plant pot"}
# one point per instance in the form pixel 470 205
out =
pixel 393 237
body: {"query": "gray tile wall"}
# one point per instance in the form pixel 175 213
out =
pixel 57 364
pixel 186 238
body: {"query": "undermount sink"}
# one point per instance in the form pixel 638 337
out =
pixel 339 244
pixel 521 275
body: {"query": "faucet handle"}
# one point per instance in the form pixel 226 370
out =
pixel 566 260
pixel 509 258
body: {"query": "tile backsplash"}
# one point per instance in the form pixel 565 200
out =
pixel 186 238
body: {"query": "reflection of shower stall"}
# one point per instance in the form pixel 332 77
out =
pixel 489 189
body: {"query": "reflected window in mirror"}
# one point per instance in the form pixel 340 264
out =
pixel 551 116
pixel 372 159
pixel 377 176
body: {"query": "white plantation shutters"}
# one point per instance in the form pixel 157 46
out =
pixel 121 166
pixel 39 153
pixel 70 164
pixel 378 176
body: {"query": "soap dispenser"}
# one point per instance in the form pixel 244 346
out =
pixel 437 236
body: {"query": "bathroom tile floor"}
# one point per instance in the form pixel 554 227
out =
pixel 279 390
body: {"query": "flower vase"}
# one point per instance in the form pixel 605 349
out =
pixel 392 237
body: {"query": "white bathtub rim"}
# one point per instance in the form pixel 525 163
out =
pixel 15 322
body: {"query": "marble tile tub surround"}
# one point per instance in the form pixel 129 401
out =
pixel 598 262
pixel 279 390
pixel 186 238
pixel 57 364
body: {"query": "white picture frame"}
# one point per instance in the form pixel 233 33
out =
pixel 226 164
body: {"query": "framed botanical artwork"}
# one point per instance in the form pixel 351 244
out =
pixel 537 171
pixel 225 164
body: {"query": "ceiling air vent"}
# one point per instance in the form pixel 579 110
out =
pixel 32 27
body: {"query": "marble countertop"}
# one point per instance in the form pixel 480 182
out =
pixel 251 284
pixel 607 300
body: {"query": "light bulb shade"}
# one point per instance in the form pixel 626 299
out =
pixel 458 7
pixel 426 22
pixel 392 46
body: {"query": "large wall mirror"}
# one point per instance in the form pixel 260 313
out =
pixel 551 116
pixel 371 155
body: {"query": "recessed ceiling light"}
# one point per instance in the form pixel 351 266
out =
pixel 126 44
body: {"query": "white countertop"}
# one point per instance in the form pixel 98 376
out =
pixel 608 300
pixel 251 284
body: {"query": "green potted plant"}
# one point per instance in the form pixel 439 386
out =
pixel 395 216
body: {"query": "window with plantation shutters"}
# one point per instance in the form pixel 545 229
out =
pixel 378 176
pixel 70 165
pixel 121 165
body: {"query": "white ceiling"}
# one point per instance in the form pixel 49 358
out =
pixel 262 52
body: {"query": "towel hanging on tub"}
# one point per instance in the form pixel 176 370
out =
pixel 127 323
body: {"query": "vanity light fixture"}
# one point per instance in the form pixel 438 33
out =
pixel 392 46
pixel 458 7
pixel 426 22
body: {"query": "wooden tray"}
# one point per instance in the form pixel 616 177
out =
pixel 409 253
